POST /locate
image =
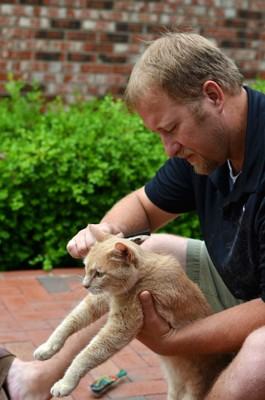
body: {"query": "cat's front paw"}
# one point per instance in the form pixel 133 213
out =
pixel 62 388
pixel 46 351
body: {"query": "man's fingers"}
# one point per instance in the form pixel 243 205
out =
pixel 147 303
pixel 152 320
pixel 75 251
pixel 148 306
pixel 79 246
pixel 72 249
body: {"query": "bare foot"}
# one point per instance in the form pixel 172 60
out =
pixel 32 380
pixel 29 381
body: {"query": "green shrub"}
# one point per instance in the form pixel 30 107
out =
pixel 62 168
pixel 259 84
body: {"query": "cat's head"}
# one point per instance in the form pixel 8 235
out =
pixel 111 264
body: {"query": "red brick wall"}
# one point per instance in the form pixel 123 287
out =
pixel 89 46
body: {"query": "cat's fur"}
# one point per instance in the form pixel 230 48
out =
pixel 117 270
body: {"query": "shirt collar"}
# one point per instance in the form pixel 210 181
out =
pixel 254 159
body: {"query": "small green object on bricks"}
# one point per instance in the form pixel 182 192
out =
pixel 104 383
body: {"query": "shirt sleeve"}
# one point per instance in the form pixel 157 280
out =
pixel 171 189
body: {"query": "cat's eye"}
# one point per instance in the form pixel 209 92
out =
pixel 99 274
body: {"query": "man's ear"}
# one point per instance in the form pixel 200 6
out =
pixel 123 252
pixel 213 92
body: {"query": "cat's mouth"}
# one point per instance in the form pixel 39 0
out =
pixel 87 281
pixel 95 290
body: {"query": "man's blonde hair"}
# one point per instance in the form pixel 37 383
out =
pixel 179 64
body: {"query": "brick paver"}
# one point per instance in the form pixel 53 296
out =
pixel 32 303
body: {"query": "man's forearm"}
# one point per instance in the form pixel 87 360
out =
pixel 130 215
pixel 221 332
pixel 127 216
pixel 136 212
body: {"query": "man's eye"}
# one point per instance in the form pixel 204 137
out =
pixel 172 129
pixel 99 274
pixel 168 131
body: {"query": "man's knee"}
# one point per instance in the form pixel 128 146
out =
pixel 168 244
pixel 244 378
pixel 253 347
pixel 250 364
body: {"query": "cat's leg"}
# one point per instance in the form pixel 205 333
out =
pixel 174 369
pixel 180 395
pixel 174 381
pixel 117 333
pixel 176 391
pixel 86 312
pixel 189 396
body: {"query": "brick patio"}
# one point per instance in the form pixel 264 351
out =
pixel 33 302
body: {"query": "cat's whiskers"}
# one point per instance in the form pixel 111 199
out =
pixel 79 277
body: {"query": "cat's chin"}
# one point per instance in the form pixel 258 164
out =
pixel 95 290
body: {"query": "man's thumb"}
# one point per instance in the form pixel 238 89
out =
pixel 147 302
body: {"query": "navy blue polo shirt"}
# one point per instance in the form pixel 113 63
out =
pixel 232 221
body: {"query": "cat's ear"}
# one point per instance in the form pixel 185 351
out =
pixel 119 235
pixel 123 252
pixel 98 234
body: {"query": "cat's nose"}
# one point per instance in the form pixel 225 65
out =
pixel 86 282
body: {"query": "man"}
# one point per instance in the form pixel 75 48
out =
pixel 212 128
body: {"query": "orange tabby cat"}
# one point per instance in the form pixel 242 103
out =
pixel 116 271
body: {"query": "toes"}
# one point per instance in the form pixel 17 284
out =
pixel 60 389
pixel 44 352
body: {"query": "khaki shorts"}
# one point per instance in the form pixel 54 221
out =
pixel 201 270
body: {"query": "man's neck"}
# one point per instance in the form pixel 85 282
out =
pixel 238 116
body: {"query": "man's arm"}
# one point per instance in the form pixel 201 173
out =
pixel 136 212
pixel 221 332
pixel 133 213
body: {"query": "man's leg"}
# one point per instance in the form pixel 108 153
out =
pixel 195 260
pixel 32 380
pixel 244 378
pixel 168 244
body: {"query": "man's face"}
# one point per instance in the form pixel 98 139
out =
pixel 195 131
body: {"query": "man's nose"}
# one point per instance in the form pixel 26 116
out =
pixel 170 145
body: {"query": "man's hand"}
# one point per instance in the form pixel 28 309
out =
pixel 156 333
pixel 80 244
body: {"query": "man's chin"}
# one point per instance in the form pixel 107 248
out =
pixel 204 168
